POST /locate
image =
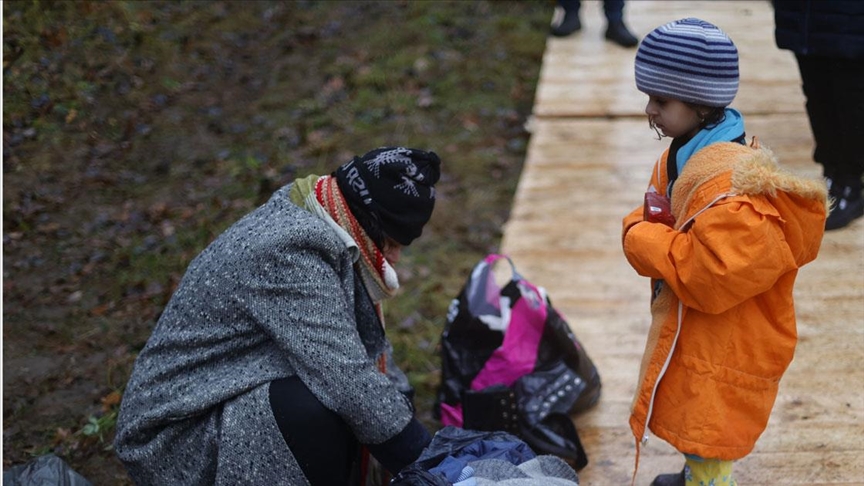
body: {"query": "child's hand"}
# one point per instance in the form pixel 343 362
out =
pixel 657 209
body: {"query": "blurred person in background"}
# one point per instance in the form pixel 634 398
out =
pixel 827 37
pixel 566 21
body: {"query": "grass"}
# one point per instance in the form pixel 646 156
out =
pixel 135 132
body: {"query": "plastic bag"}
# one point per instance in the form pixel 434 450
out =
pixel 510 362
pixel 47 470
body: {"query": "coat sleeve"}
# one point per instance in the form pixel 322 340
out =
pixel 630 220
pixel 305 304
pixel 732 252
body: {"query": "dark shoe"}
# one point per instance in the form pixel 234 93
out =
pixel 618 33
pixel 669 480
pixel 848 206
pixel 565 22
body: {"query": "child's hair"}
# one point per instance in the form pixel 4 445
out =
pixel 708 115
pixel 689 60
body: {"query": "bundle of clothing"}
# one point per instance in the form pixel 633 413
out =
pixel 460 457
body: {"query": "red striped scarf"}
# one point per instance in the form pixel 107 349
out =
pixel 378 276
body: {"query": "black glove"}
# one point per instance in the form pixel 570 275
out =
pixel 403 448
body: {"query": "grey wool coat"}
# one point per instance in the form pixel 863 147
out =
pixel 274 296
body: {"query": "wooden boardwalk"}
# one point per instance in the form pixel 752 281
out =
pixel 587 166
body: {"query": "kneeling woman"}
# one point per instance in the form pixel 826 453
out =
pixel 268 365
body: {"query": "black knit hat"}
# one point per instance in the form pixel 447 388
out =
pixel 396 185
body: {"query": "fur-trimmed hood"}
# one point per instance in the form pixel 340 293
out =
pixel 754 172
pixel 758 172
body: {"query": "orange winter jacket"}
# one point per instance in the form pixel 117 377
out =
pixel 723 323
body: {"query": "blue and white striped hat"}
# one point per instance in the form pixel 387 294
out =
pixel 688 60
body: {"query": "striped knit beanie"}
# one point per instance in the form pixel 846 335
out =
pixel 688 60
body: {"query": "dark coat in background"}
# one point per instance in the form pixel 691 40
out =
pixel 824 28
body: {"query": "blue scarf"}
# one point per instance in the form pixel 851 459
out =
pixel 731 128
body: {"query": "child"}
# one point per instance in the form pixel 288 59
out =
pixel 722 235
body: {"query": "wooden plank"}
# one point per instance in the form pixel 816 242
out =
pixel 587 165
pixel 807 462
pixel 583 75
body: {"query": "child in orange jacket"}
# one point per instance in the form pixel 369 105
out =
pixel 722 235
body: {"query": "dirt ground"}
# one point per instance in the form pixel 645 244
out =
pixel 135 132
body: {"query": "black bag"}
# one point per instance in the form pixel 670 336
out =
pixel 47 469
pixel 510 362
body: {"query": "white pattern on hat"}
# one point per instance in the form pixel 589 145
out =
pixel 408 187
pixel 397 155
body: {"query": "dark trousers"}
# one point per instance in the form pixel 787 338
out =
pixel 613 9
pixel 834 89
pixel 321 442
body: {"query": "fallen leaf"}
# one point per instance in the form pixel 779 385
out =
pixel 111 400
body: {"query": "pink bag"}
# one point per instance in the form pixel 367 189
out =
pixel 511 362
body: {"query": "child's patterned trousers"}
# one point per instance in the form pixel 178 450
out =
pixel 707 472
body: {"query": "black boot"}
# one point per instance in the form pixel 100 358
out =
pixel 618 33
pixel 669 480
pixel 565 22
pixel 848 205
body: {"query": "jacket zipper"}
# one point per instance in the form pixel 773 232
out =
pixel 662 372
pixel 678 330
